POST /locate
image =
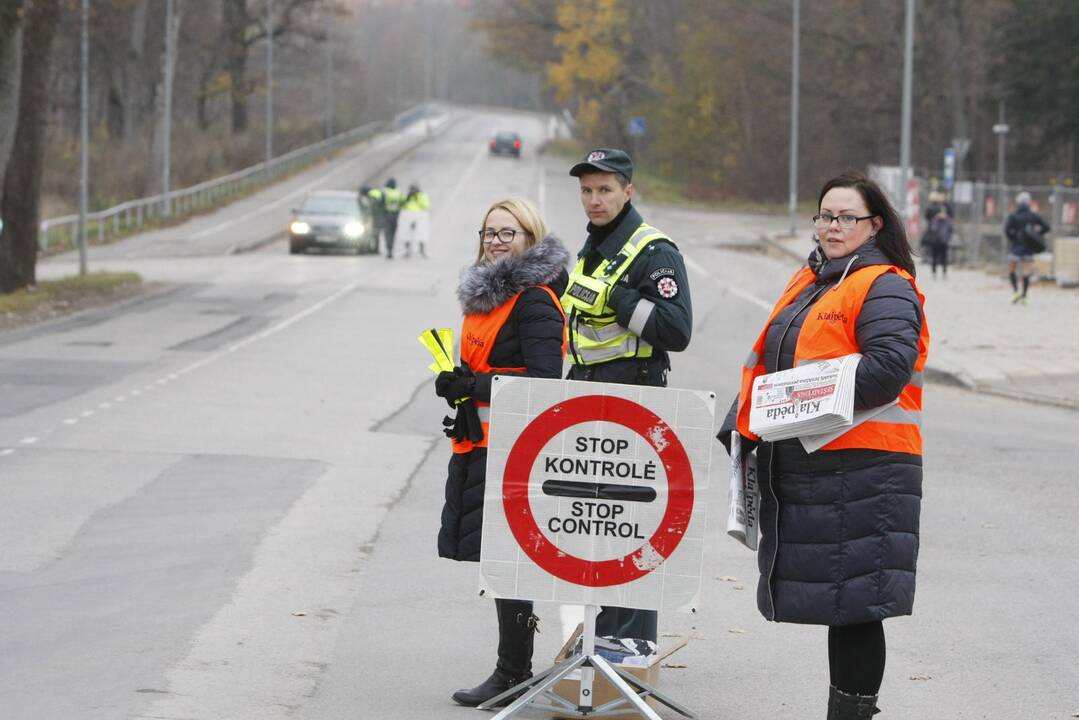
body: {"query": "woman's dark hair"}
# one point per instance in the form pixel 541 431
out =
pixel 892 236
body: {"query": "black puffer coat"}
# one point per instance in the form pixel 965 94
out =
pixel 839 528
pixel 531 338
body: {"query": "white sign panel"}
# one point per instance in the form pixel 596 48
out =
pixel 595 493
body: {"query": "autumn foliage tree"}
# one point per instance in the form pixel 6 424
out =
pixel 712 80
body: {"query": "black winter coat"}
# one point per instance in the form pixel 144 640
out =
pixel 1018 220
pixel 531 338
pixel 839 528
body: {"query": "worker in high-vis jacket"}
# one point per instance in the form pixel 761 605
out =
pixel 415 221
pixel 392 199
pixel 627 307
pixel 373 211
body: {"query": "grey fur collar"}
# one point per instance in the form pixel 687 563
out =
pixel 486 286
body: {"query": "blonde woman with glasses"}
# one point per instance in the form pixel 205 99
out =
pixel 513 325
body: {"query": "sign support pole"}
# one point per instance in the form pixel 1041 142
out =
pixel 537 691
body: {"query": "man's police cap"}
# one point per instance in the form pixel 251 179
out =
pixel 604 160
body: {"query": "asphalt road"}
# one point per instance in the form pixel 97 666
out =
pixel 220 501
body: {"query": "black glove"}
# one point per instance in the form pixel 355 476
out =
pixel 466 426
pixel 453 386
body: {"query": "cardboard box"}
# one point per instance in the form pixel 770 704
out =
pixel 602 690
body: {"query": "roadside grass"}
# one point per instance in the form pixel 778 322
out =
pixel 55 298
pixel 563 147
pixel 663 190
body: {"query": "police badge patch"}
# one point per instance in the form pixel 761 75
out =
pixel 667 287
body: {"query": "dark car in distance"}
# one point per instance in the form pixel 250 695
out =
pixel 331 220
pixel 506 143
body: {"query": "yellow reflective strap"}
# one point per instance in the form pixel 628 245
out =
pixel 445 336
pixel 437 342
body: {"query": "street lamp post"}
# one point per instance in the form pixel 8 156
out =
pixel 1001 131
pixel 795 33
pixel 269 80
pixel 170 59
pixel 908 81
pixel 331 109
pixel 84 129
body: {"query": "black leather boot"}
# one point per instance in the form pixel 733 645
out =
pixel 842 706
pixel 516 631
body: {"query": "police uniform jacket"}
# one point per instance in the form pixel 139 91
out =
pixel 839 528
pixel 657 274
pixel 531 338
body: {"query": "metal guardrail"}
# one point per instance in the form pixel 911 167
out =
pixel 177 203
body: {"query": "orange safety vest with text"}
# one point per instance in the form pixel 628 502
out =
pixel 478 334
pixel 829 332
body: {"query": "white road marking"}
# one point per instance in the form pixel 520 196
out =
pixel 7 451
pixel 272 330
pixel 465 178
pixel 541 191
pixel 732 289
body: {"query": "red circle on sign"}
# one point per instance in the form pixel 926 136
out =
pixel 523 525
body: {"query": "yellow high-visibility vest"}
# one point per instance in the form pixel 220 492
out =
pixel 594 333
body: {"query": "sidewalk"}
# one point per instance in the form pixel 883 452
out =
pixel 981 341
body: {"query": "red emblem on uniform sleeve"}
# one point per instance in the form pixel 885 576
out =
pixel 667 287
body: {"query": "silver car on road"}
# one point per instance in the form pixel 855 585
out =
pixel 331 220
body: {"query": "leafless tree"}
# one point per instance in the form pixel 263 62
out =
pixel 22 179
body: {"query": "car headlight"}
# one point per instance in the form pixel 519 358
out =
pixel 353 230
pixel 299 227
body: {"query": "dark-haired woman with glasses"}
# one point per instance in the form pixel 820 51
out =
pixel 513 325
pixel 840 525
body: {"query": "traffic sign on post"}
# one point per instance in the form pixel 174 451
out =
pixel 637 127
pixel 594 493
pixel 949 168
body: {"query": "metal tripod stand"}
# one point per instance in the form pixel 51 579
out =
pixel 537 691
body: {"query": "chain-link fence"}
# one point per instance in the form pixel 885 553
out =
pixel 981 210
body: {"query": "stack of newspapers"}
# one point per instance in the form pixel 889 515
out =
pixel 813 402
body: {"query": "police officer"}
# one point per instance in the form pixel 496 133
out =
pixel 392 199
pixel 627 305
pixel 373 211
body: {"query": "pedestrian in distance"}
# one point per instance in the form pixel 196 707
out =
pixel 1025 231
pixel 839 526
pixel 374 211
pixel 628 307
pixel 392 199
pixel 513 325
pixel 939 228
pixel 415 220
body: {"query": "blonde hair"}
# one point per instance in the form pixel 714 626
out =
pixel 525 214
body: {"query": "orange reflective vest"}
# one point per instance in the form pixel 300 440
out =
pixel 478 333
pixel 829 332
